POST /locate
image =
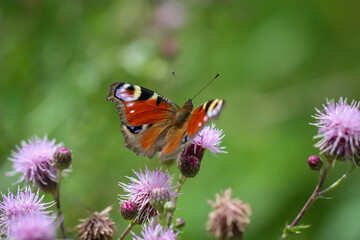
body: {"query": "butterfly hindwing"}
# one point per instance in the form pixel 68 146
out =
pixel 175 140
pixel 143 114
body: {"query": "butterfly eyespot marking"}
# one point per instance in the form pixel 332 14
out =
pixel 135 129
pixel 128 92
pixel 199 124
pixel 132 111
pixel 185 138
pixel 206 118
pixel 138 129
pixel 214 107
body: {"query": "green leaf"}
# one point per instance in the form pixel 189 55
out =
pixel 295 229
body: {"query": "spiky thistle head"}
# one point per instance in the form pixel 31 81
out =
pixel 33 227
pixel 142 190
pixel 23 203
pixel 154 231
pixel 338 129
pixel 34 161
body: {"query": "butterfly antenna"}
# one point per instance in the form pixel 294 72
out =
pixel 173 73
pixel 206 85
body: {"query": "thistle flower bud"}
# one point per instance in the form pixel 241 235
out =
pixel 159 196
pixel 314 162
pixel 62 158
pixel 189 166
pixel 179 223
pixel 128 210
pixel 169 206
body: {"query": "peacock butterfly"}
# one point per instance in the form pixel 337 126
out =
pixel 152 123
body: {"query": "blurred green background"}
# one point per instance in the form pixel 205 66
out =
pixel 278 60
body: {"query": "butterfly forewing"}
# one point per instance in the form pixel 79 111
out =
pixel 202 114
pixel 143 114
pixel 138 106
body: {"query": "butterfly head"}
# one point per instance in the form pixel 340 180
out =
pixel 189 103
pixel 183 113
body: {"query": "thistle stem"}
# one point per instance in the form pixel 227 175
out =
pixel 181 182
pixel 127 230
pixel 335 184
pixel 314 196
pixel 58 206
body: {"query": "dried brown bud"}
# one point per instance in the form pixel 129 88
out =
pixel 98 227
pixel 230 217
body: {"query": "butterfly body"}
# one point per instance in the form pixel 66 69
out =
pixel 152 123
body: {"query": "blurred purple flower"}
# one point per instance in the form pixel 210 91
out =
pixel 140 191
pixel 170 15
pixel 339 128
pixel 24 203
pixel 158 232
pixel 33 227
pixel 34 160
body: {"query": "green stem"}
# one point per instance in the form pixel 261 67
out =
pixel 58 206
pixel 335 184
pixel 181 182
pixel 127 230
pixel 311 200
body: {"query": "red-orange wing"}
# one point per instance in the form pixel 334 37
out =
pixel 138 106
pixel 145 117
pixel 202 114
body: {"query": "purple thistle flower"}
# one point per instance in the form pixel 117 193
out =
pixel 33 227
pixel 34 160
pixel 24 203
pixel 140 191
pixel 339 128
pixel 158 232
pixel 190 158
pixel 209 137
